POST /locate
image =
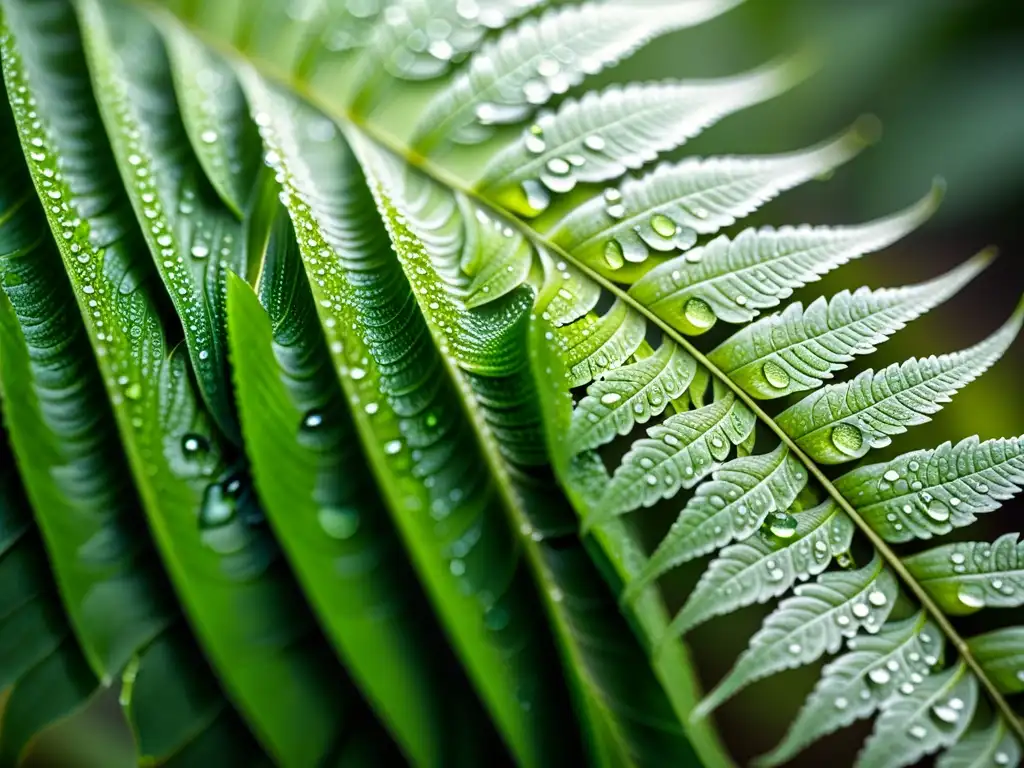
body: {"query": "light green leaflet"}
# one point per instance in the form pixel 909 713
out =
pixel 731 506
pixel 677 453
pixel 330 520
pixel 601 136
pixel 965 577
pixel 193 238
pixel 991 744
pixel 758 569
pixel 595 345
pixel 844 421
pixel 929 493
pixel 438 490
pixel 528 65
pixel 1001 653
pixel 629 395
pixel 267 658
pixel 933 716
pixel 619 232
pixel 810 624
pixel 857 683
pixel 733 279
pixel 799 348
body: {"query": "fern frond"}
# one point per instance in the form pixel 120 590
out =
pixel 968 576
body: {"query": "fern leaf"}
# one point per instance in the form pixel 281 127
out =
pixel 508 78
pixel 594 345
pixel 929 493
pixel 732 280
pixel 614 232
pixel 983 746
pixel 732 506
pixel 931 717
pixel 677 453
pixel 761 568
pixel 498 258
pixel 630 395
pixel 812 623
pixel 965 577
pixel 844 421
pixel 798 349
pixel 607 133
pixel 857 683
pixel 1001 655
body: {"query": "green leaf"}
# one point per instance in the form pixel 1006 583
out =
pixel 604 134
pixel 1001 654
pixel 993 744
pixel 223 565
pixel 857 683
pixel 731 506
pixel 933 716
pixel 420 449
pixel 629 395
pixel 193 238
pixel 812 623
pixel 677 453
pixel 215 116
pixel 732 280
pixel 844 421
pixel 596 345
pixel 965 577
pixel 508 78
pixel 66 443
pixel 935 491
pixel 331 522
pixel 798 349
pixel 614 232
pixel 761 568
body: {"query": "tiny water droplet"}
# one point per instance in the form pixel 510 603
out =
pixel 917 732
pixel 194 445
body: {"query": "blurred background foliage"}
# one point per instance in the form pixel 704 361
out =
pixel 946 78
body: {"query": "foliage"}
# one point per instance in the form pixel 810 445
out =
pixel 340 457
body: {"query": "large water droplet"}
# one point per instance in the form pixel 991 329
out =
pixel 775 375
pixel 945 713
pixel 847 438
pixel 937 511
pixel 613 255
pixel 782 525
pixel 610 398
pixel 663 225
pixel 879 676
pixel 970 599
pixel 339 522
pixel 699 314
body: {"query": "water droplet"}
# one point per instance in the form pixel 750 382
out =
pixel 970 599
pixel 794 648
pixel 392 448
pixel 945 713
pixel 133 391
pixel 783 525
pixel 558 166
pixel 860 610
pixel 1001 758
pixel 937 511
pixel 891 475
pixel 841 703
pixel 918 732
pixel 847 438
pixel 594 143
pixel 200 251
pixel 610 398
pixel 209 136
pixel 194 445
pixel 663 225
pixel 877 598
pixel 775 375
pixel 313 420
pixel 339 522
pixel 357 373
pixel 879 676
pixel 220 505
pixel 457 567
pixel 613 254
pixel 699 314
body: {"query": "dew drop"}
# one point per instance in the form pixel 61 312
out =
pixel 877 598
pixel 937 511
pixel 917 732
pixel 775 375
pixel 610 398
pixel 847 438
pixel 841 703
pixel 194 445
pixel 663 225
pixel 782 525
pixel 970 599
pixel 339 522
pixel 594 143
pixel 699 314
pixel 613 255
pixel 209 136
pixel 945 713
pixel 879 676
pixel 860 610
